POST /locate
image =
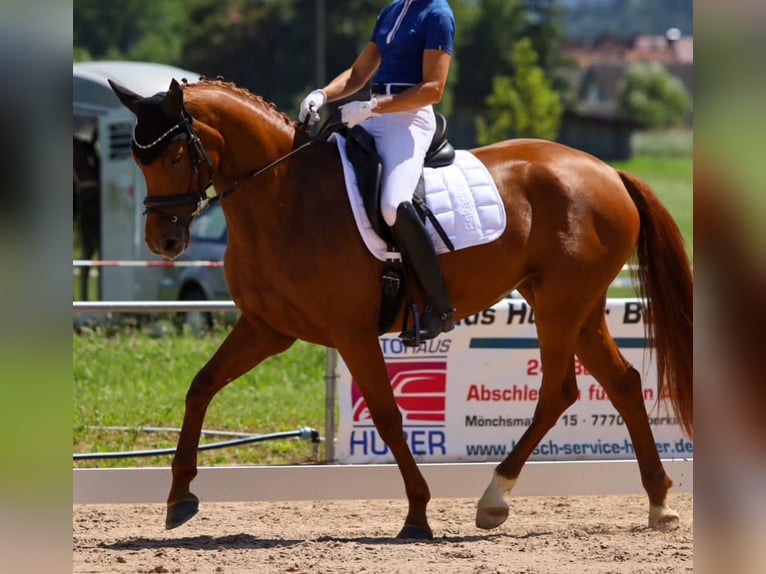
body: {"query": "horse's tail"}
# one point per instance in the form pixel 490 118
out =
pixel 666 284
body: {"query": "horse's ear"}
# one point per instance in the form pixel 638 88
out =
pixel 173 102
pixel 127 97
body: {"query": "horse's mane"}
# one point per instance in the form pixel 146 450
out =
pixel 269 107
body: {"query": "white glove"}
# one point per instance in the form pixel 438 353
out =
pixel 310 106
pixel 356 112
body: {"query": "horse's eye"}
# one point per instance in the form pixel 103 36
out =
pixel 176 158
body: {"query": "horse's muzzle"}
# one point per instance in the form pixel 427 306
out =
pixel 169 246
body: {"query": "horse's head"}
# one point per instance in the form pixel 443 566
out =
pixel 170 155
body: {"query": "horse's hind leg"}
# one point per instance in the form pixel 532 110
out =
pixel 622 383
pixel 84 279
pixel 556 331
pixel 248 343
pixel 87 253
pixel 364 360
pixel 89 247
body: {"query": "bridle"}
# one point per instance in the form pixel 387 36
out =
pixel 197 154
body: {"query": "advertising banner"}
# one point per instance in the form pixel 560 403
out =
pixel 469 395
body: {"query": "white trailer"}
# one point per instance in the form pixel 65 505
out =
pixel 97 111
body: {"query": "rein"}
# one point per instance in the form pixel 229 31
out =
pixel 327 127
pixel 196 154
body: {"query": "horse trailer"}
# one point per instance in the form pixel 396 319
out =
pixel 99 117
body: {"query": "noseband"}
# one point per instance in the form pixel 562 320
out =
pixel 197 154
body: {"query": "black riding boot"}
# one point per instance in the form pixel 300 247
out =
pixel 411 237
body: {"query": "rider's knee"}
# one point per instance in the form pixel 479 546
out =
pixel 388 210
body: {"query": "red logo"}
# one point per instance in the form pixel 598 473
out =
pixel 419 387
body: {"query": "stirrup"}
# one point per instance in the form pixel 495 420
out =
pixel 429 326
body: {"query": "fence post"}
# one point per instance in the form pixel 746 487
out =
pixel 329 428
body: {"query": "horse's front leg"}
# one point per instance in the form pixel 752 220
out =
pixel 248 343
pixel 364 360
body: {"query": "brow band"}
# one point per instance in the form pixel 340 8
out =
pixel 159 139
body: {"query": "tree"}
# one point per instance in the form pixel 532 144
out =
pixel 488 31
pixel 544 27
pixel 269 46
pixel 248 43
pixel 524 105
pixel 128 29
pixel 482 46
pixel 626 18
pixel 650 95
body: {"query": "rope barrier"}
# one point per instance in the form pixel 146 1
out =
pixel 165 263
pixel 131 263
pixel 151 306
pixel 304 433
pixel 175 430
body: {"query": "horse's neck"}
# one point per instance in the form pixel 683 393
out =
pixel 247 135
pixel 252 134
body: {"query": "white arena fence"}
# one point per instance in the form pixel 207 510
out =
pixel 620 280
pixel 490 364
pixel 130 263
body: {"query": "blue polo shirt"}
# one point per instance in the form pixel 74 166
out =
pixel 404 30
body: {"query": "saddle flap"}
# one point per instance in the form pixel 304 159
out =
pixel 463 197
pixel 363 155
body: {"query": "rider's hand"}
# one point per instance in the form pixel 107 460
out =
pixel 310 106
pixel 356 112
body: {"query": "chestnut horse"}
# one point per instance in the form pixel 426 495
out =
pixel 298 269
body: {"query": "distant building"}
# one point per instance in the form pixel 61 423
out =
pixel 599 84
pixel 595 126
pixel 603 135
pixel 601 64
pixel 610 48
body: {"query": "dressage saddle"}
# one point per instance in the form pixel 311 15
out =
pixel 361 152
pixel 363 155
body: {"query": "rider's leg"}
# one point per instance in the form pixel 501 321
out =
pixel 402 140
pixel 411 236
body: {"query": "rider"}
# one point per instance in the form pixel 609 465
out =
pixel 409 54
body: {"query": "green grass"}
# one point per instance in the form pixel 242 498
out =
pixel 132 379
pixel 671 178
pixel 93 286
pixel 677 142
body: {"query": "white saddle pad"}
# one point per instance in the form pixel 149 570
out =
pixel 462 196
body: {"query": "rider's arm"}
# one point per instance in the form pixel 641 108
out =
pixel 356 77
pixel 436 65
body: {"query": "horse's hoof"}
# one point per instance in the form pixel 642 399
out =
pixel 491 517
pixel 663 518
pixel 412 532
pixel 181 511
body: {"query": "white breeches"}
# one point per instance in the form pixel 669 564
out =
pixel 402 140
